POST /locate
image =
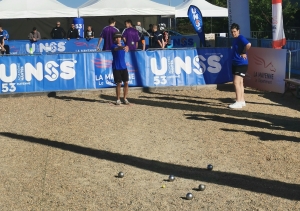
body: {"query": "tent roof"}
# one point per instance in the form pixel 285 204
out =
pixel 124 7
pixel 207 9
pixel 14 9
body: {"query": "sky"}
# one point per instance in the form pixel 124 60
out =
pixel 76 3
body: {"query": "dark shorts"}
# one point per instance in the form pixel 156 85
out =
pixel 120 75
pixel 239 70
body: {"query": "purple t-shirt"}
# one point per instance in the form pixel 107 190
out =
pixel 108 35
pixel 132 37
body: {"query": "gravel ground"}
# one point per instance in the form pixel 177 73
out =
pixel 64 152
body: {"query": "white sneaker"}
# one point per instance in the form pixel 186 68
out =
pixel 236 105
pixel 243 103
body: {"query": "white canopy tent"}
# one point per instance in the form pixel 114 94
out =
pixel 207 9
pixel 15 9
pixel 124 7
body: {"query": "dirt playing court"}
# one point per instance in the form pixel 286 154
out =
pixel 64 152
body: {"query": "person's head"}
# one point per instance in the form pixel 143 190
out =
pixel 72 25
pixel 128 23
pixel 117 37
pixel 235 30
pixel 89 28
pixel 154 27
pixel 150 26
pixel 138 23
pixel 57 24
pixel 111 21
pixel 34 29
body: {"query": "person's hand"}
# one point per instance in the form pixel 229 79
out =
pixel 126 49
pixel 244 55
pixel 68 38
pixel 77 38
pixel 98 49
pixel 33 39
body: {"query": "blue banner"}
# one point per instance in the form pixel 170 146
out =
pixel 195 17
pixel 79 71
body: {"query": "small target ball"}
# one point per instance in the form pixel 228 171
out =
pixel 189 196
pixel 121 174
pixel 202 187
pixel 171 178
pixel 210 167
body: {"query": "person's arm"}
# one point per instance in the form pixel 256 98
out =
pixel 64 32
pixel 121 47
pixel 160 41
pixel 30 36
pixel 144 45
pixel 99 42
pixel 78 36
pixel 93 34
pixel 51 33
pixel 68 34
pixel 38 36
pixel 6 35
pixel 145 31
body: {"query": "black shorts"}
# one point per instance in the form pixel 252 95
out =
pixel 239 70
pixel 120 75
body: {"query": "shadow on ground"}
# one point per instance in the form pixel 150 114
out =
pixel 249 183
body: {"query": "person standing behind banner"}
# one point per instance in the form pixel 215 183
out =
pixel 130 36
pixel 240 46
pixel 5 35
pixel 141 42
pixel 119 67
pixel 89 33
pixel 58 32
pixel 157 40
pixel 2 48
pixel 108 35
pixel 73 33
pixel 34 35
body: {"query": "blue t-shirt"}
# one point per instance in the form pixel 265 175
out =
pixel 238 46
pixel 118 62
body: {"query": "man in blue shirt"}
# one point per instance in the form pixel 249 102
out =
pixel 119 67
pixel 5 35
pixel 240 46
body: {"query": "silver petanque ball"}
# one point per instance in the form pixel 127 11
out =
pixel 171 178
pixel 202 187
pixel 210 167
pixel 121 174
pixel 189 196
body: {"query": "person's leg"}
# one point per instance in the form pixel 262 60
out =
pixel 118 90
pixel 242 90
pixel 125 90
pixel 239 87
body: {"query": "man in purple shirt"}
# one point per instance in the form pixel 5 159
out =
pixel 130 36
pixel 107 34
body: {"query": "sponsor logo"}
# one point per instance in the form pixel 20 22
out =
pixel 198 64
pixel 261 62
pixel 50 70
pixel 46 47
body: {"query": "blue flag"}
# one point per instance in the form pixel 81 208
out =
pixel 195 17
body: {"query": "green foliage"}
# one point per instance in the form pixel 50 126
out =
pixel 260 17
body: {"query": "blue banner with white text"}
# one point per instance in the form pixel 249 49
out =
pixel 93 70
pixel 195 17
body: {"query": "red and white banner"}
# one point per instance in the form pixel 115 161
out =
pixel 266 70
pixel 277 25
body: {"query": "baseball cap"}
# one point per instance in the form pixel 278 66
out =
pixel 117 34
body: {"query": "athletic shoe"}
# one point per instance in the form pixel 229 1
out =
pixel 118 102
pixel 236 105
pixel 126 102
pixel 243 103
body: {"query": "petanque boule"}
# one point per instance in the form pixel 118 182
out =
pixel 171 178
pixel 121 174
pixel 189 196
pixel 201 187
pixel 210 167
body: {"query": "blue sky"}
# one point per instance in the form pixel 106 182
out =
pixel 76 3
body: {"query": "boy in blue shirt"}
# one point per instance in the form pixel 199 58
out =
pixel 119 67
pixel 240 46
